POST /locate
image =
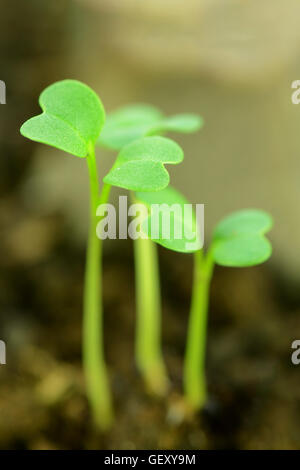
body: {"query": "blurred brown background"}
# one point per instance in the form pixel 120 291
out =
pixel 233 62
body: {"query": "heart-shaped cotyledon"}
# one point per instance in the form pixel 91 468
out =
pixel 239 239
pixel 140 165
pixel 171 220
pixel 72 118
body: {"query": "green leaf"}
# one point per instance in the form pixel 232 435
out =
pixel 134 114
pixel 158 149
pixel 242 251
pixel 136 175
pixel 173 224
pixel 128 124
pixel 168 196
pixel 140 165
pixel 239 239
pixel 72 118
pixel 185 123
pixel 115 138
pixel 244 222
pixel 133 122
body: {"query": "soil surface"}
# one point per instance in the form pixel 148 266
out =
pixel 253 387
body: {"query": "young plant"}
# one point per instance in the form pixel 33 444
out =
pixel 167 223
pixel 238 241
pixel 123 127
pixel 72 119
pixel 140 167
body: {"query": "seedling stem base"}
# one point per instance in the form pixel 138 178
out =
pixel 97 383
pixel 148 330
pixel 194 364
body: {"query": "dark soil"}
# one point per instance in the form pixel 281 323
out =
pixel 254 388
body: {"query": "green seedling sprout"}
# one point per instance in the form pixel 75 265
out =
pixel 72 119
pixel 167 197
pixel 238 241
pixel 123 127
pixel 140 167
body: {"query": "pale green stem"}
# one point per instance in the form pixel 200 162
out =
pixel 97 383
pixel 148 322
pixel 194 364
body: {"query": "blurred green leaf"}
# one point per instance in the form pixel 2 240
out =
pixel 239 239
pixel 242 251
pixel 128 124
pixel 72 118
pixel 134 114
pixel 168 196
pixel 147 175
pixel 133 122
pixel 244 222
pixel 185 123
pixel 158 149
pixel 174 225
pixel 140 165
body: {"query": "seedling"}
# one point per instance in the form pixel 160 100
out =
pixel 140 167
pixel 123 127
pixel 72 119
pixel 238 241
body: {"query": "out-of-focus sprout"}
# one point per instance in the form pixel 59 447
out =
pixel 238 241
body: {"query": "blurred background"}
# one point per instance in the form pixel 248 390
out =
pixel 233 62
